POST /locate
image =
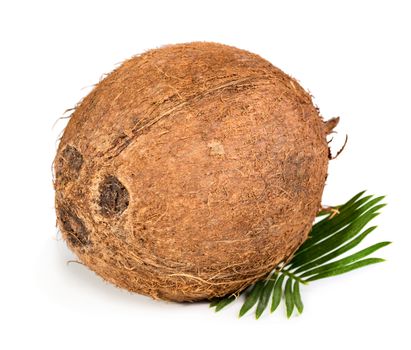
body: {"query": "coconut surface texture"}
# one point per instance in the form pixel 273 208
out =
pixel 190 172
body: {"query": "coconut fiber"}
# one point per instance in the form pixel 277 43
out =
pixel 190 172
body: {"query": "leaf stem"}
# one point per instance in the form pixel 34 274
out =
pixel 291 275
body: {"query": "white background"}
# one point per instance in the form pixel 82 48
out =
pixel 355 59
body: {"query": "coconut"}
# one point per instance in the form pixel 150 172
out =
pixel 190 172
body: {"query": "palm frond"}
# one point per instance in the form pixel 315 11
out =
pixel 330 237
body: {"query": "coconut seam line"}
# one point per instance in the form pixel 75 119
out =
pixel 190 172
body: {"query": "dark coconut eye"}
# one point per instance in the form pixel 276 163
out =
pixel 69 164
pixel 73 227
pixel 114 197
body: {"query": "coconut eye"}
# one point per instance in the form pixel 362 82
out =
pixel 73 227
pixel 69 164
pixel 114 197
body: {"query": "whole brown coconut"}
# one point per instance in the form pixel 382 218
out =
pixel 190 172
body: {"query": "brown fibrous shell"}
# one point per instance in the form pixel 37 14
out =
pixel 190 172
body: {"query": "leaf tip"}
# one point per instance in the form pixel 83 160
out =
pixel 361 193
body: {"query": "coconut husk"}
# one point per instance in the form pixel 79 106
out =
pixel 190 172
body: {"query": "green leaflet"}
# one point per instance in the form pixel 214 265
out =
pixel 353 243
pixel 345 261
pixel 344 269
pixel 329 239
pixel 334 241
pixel 265 296
pixel 223 303
pixel 338 221
pixel 252 298
pixel 289 299
pixel 277 293
pixel 348 214
pixel 297 297
pixel 214 302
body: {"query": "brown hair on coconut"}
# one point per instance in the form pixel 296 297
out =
pixel 190 172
